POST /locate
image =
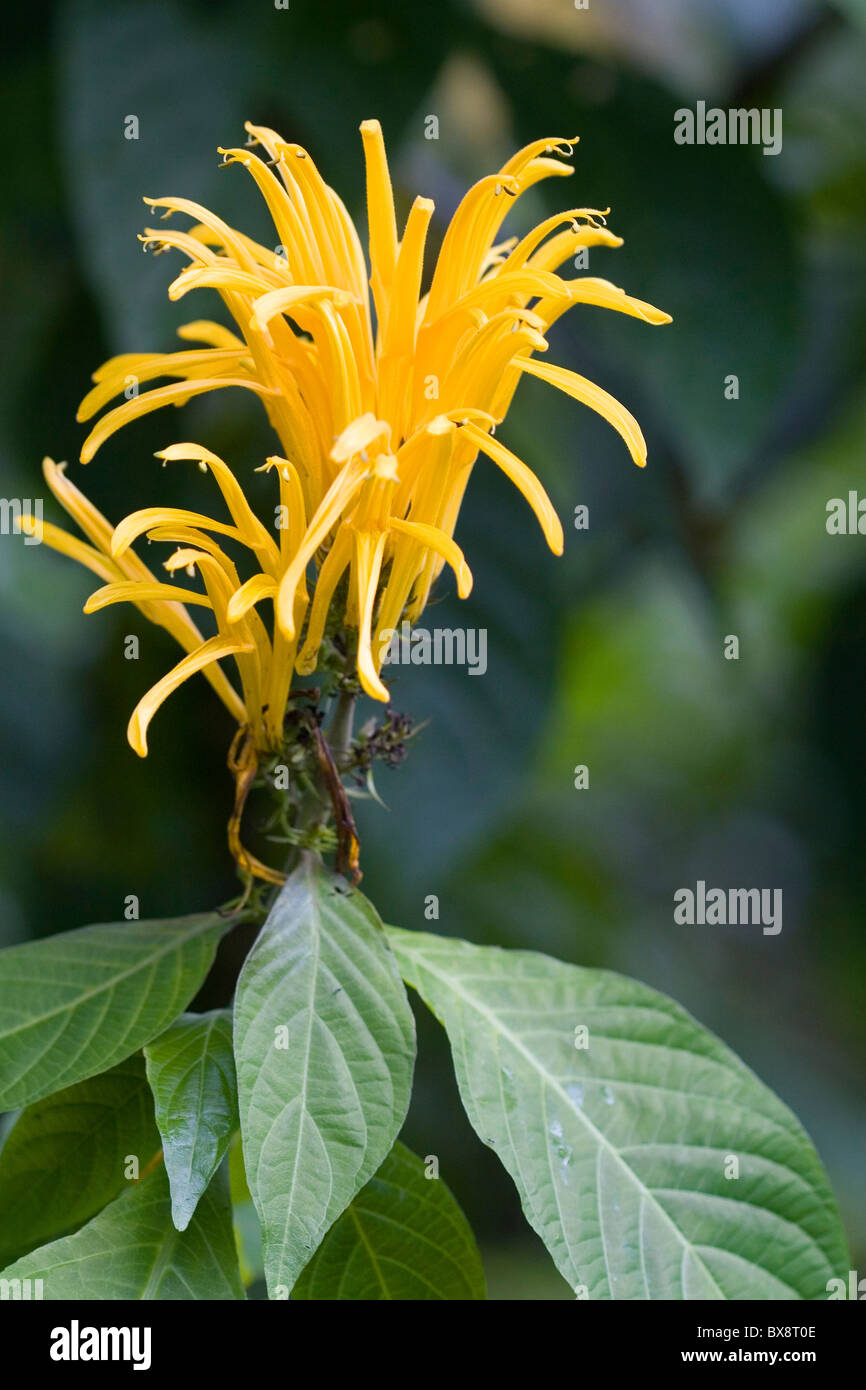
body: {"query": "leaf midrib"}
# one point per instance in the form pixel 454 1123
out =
pixel 174 945
pixel 552 1081
pixel 314 972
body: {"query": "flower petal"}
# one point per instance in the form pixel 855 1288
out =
pixel 214 334
pixel 380 216
pixel 213 650
pixel 332 507
pixel 61 541
pixel 369 549
pixel 283 301
pixel 589 394
pixel 437 540
pixel 180 364
pixel 261 586
pixel 524 480
pixel 358 436
pixel 139 523
pixel 252 532
pixel 136 591
pixel 328 578
pixel 178 393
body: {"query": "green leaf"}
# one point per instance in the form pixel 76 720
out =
pixel 622 1150
pixel 325 1045
pixel 403 1237
pixel 131 1250
pixel 75 1004
pixel 191 1069
pixel 64 1159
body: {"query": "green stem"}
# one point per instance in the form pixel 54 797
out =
pixel 340 729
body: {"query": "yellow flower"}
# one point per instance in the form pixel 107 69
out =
pixel 264 665
pixel 127 577
pixel 379 429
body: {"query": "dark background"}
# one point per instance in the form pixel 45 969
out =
pixel 746 773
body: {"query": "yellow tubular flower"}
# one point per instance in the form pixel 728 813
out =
pixel 380 426
pixel 379 429
pixel 380 421
pixel 128 578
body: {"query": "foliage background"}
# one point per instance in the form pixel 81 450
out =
pixel 747 773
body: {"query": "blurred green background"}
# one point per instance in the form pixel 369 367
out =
pixel 742 773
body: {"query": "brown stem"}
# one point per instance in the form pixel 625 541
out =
pixel 348 845
pixel 243 763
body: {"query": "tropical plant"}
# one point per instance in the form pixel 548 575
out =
pixel 652 1163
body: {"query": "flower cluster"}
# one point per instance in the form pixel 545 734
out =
pixel 379 426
